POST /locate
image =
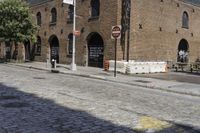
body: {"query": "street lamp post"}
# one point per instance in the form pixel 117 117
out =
pixel 73 2
pixel 73 64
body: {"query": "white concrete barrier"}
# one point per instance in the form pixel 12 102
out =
pixel 137 67
pixel 157 67
pixel 120 66
pixel 133 67
pixel 146 67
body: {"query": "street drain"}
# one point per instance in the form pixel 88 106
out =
pixel 15 105
pixel 7 97
pixel 104 74
pixel 142 81
pixel 39 78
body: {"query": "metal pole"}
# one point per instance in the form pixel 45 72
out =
pixel 128 44
pixel 115 57
pixel 73 65
pixel 128 13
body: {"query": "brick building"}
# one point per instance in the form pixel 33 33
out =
pixel 94 21
pixel 152 30
pixel 160 29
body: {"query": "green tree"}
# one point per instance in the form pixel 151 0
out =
pixel 16 23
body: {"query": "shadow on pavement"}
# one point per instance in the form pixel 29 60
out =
pixel 21 112
pixel 189 73
pixel 186 77
pixel 173 129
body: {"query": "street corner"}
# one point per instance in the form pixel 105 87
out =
pixel 151 125
pixel 147 124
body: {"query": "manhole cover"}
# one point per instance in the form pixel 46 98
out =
pixel 142 81
pixel 8 97
pixel 15 105
pixel 39 78
pixel 104 74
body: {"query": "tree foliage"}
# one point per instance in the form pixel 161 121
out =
pixel 16 21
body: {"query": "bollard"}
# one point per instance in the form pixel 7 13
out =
pixel 47 63
pixel 55 64
pixel 52 63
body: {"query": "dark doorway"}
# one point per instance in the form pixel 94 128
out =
pixel 95 50
pixel 54 48
pixel 183 50
pixel 8 50
pixel 27 50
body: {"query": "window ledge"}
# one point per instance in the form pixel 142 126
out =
pixel 69 21
pixel 52 23
pixel 69 55
pixel 93 18
pixel 37 54
pixel 185 27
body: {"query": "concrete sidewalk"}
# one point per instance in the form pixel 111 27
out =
pixel 98 73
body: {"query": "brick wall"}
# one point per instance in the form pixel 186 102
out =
pixel 109 16
pixel 157 40
pixel 162 30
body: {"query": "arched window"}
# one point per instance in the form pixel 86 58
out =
pixel 183 51
pixel 53 15
pixel 70 44
pixel 185 20
pixel 38 46
pixel 39 19
pixel 70 13
pixel 95 8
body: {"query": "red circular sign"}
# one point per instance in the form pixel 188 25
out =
pixel 77 33
pixel 116 31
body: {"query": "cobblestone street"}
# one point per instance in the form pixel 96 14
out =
pixel 34 101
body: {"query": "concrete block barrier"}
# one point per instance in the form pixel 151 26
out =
pixel 146 67
pixel 137 67
pixel 120 66
pixel 133 67
pixel 157 67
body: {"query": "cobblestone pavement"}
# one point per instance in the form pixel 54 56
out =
pixel 176 76
pixel 41 102
pixel 134 80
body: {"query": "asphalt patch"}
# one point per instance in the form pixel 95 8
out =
pixel 15 105
pixel 8 97
pixel 142 81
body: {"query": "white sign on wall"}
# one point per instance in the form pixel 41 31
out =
pixel 71 2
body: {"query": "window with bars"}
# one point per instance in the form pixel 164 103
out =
pixel 39 19
pixel 185 20
pixel 95 8
pixel 70 44
pixel 70 14
pixel 38 46
pixel 53 15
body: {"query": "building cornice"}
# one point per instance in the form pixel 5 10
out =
pixel 33 3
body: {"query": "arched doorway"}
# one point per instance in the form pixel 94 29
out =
pixel 54 48
pixel 183 49
pixel 27 49
pixel 95 50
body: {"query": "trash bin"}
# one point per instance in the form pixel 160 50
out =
pixel 52 63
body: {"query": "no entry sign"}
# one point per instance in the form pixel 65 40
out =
pixel 116 32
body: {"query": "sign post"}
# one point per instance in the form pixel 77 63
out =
pixel 73 2
pixel 116 34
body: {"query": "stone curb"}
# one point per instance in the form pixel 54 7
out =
pixel 110 80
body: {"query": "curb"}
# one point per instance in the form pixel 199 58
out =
pixel 106 79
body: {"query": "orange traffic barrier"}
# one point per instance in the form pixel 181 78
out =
pixel 106 65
